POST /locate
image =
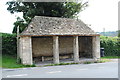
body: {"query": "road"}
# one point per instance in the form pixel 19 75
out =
pixel 94 70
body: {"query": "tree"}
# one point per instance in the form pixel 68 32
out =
pixel 52 9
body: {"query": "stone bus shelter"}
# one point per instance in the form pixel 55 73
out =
pixel 57 38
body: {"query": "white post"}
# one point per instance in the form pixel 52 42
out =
pixel 20 47
pixel 96 47
pixel 76 49
pixel 55 50
pixel 18 54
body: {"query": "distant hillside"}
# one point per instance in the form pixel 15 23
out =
pixel 109 33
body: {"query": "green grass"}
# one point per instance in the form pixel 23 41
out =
pixel 102 61
pixel 61 64
pixel 10 62
pixel 87 62
pixel 110 57
pixel 98 61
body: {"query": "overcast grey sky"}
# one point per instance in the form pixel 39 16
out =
pixel 99 14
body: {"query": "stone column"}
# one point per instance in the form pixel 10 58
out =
pixel 55 50
pixel 96 47
pixel 26 50
pixel 76 49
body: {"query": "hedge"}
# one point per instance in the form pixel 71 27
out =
pixel 111 45
pixel 9 45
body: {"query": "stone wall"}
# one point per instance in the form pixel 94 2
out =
pixel 43 46
pixel 85 46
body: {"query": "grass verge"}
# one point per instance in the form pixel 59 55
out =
pixel 110 57
pixel 60 64
pixel 10 62
pixel 86 62
pixel 98 61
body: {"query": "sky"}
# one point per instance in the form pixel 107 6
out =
pixel 99 15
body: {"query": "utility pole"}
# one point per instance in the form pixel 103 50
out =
pixel 17 44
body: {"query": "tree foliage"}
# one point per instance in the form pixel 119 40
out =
pixel 52 9
pixel 9 45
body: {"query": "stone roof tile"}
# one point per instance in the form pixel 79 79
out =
pixel 41 25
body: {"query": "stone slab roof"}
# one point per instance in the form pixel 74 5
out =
pixel 41 26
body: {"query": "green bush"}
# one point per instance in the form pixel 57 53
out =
pixel 9 44
pixel 111 45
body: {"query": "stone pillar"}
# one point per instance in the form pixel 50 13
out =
pixel 55 50
pixel 26 50
pixel 76 49
pixel 96 47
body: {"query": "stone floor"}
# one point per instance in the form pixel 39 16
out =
pixel 62 61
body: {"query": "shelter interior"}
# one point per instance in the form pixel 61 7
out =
pixel 42 47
